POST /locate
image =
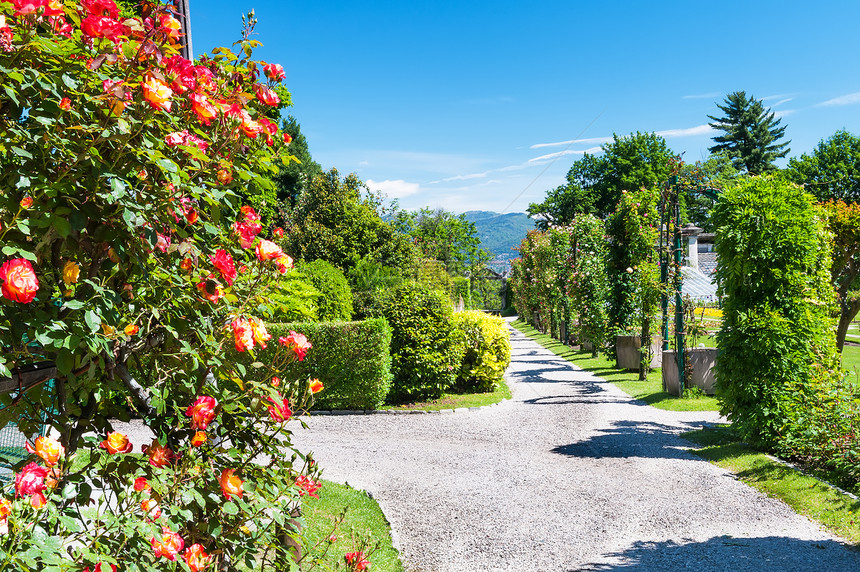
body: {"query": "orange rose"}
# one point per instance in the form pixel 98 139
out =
pixel 315 386
pixel 116 443
pixel 48 448
pixel 157 93
pixel 259 333
pixel 198 439
pixel 20 283
pixel 231 485
pixel 131 329
pixel 26 202
pixel 204 108
pixel 243 335
pixel 268 250
pixel 158 454
pixel 65 104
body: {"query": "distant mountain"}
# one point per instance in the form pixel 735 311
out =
pixel 500 234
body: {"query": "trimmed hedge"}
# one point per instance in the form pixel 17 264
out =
pixel 351 359
pixel 335 300
pixel 488 351
pixel 426 348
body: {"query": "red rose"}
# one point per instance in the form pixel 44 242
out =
pixel 280 409
pixel 274 72
pixel 202 412
pixel 20 283
pixel 223 261
pixel 31 480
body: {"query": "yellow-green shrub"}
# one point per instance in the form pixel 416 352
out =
pixel 488 351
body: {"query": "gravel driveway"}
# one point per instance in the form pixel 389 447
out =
pixel 571 474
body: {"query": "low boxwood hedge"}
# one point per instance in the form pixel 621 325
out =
pixel 351 359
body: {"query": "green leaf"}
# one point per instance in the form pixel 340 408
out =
pixel 22 152
pixel 230 508
pixel 92 320
pixel 65 361
pixel 63 227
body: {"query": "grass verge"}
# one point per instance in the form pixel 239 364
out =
pixel 455 400
pixel 808 496
pixel 363 521
pixel 650 391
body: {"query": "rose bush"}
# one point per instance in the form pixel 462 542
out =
pixel 129 263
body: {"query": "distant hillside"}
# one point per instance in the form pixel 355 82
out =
pixel 500 234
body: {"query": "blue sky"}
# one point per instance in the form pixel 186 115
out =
pixel 484 105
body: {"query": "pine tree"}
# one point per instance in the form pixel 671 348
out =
pixel 752 134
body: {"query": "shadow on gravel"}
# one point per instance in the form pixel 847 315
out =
pixel 630 439
pixel 767 554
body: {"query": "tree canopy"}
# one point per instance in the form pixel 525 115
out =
pixel 594 183
pixel 337 221
pixel 751 136
pixel 832 170
pixel 441 235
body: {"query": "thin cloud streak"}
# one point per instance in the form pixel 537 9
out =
pixel 848 99
pixel 600 140
pixel 688 132
pixel 558 154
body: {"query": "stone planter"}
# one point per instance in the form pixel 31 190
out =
pixel 702 360
pixel 586 346
pixel 628 355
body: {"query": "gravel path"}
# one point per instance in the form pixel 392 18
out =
pixel 571 474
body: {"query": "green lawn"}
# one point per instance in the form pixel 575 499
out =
pixel 363 525
pixel 808 496
pixel 456 400
pixel 650 391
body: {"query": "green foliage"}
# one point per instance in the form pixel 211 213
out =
pixel 432 275
pixel 441 235
pixel 351 359
pixel 588 284
pixel 370 279
pixel 122 215
pixel 843 220
pixel 832 170
pixel 293 297
pixel 426 349
pixel 634 277
pixel 462 290
pixel 716 172
pixel 335 300
pixel 295 178
pixel 752 134
pixel 337 221
pixel 595 183
pixel 777 360
pixel 488 351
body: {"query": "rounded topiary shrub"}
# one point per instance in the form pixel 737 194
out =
pixel 488 351
pixel 426 348
pixel 335 301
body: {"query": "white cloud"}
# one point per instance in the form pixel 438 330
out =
pixel 688 132
pixel 466 177
pixel 848 99
pixel 781 101
pixel 777 96
pixel 599 140
pixel 394 189
pixel 557 154
pixel 783 113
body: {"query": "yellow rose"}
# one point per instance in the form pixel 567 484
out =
pixel 71 271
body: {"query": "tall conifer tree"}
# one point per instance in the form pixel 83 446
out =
pixel 752 134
